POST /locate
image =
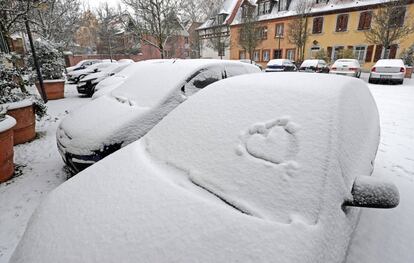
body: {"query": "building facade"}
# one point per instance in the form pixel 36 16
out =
pixel 333 26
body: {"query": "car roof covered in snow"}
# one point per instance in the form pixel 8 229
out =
pixel 311 62
pixel 252 169
pixel 347 62
pixel 389 63
pixel 279 62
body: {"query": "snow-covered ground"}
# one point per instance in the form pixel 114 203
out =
pixel 39 170
pixel 382 236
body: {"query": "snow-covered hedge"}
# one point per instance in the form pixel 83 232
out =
pixel 408 56
pixel 14 80
pixel 50 60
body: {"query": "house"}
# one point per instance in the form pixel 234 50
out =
pixel 333 26
pixel 215 32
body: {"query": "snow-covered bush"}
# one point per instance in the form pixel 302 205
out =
pixel 321 54
pixel 50 60
pixel 13 82
pixel 408 56
pixel 3 112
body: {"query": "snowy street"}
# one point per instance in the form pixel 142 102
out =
pixel 383 236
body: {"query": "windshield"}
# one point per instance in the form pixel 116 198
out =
pixel 153 89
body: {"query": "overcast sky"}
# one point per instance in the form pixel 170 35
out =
pixel 95 3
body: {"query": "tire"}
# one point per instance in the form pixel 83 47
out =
pixel 91 91
pixel 370 81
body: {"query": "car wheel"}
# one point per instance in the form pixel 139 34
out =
pixel 91 90
pixel 370 81
pixel 401 82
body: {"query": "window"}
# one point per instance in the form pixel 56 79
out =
pixel 336 52
pixel 283 5
pixel 314 51
pixel 221 18
pixel 398 16
pixel 202 79
pixel 277 53
pixel 317 25
pixel 359 53
pixel 264 7
pixel 290 54
pixel 256 55
pixel 266 55
pixel 263 32
pixel 186 40
pixel 242 54
pixel 365 20
pixel 280 28
pixel 342 23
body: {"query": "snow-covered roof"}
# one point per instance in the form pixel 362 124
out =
pixel 227 8
pixel 252 169
pixel 333 5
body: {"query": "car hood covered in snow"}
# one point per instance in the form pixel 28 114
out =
pixel 254 168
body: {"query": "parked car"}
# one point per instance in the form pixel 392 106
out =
pixel 314 65
pixel 346 67
pixel 76 76
pixel 124 115
pixel 388 71
pixel 252 62
pixel 83 64
pixel 280 65
pixel 87 84
pixel 111 83
pixel 226 177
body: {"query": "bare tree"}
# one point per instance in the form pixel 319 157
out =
pixel 57 21
pixel 250 32
pixel 13 13
pixel 298 31
pixel 219 39
pixel 156 21
pixel 198 10
pixel 388 26
pixel 108 27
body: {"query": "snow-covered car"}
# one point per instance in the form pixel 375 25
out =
pixel 83 64
pixel 280 65
pixel 251 62
pixel 388 70
pixel 128 112
pixel 314 65
pixel 87 84
pixel 244 171
pixel 346 67
pixel 116 80
pixel 76 76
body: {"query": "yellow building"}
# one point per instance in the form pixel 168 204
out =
pixel 334 26
pixel 345 29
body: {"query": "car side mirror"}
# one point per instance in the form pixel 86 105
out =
pixel 112 74
pixel 373 192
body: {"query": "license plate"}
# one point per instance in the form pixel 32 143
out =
pixel 385 76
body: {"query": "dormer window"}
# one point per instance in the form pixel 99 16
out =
pixel 264 7
pixel 284 5
pixel 247 10
pixel 221 18
pixel 322 1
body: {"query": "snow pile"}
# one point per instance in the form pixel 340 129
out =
pixel 7 123
pixel 200 186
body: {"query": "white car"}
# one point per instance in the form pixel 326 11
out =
pixel 111 83
pixel 314 65
pixel 241 172
pixel 83 64
pixel 76 76
pixel 87 84
pixel 128 112
pixel 346 67
pixel 388 70
pixel 280 65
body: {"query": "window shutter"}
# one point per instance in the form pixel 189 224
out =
pixel 315 26
pixel 370 50
pixel 362 19
pixel 368 18
pixel 345 23
pixel 329 49
pixel 378 52
pixel 320 25
pixel 393 51
pixel 338 23
pixel 350 47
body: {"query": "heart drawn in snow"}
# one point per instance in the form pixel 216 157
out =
pixel 274 141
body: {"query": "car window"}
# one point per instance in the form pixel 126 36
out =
pixel 201 79
pixel 235 70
